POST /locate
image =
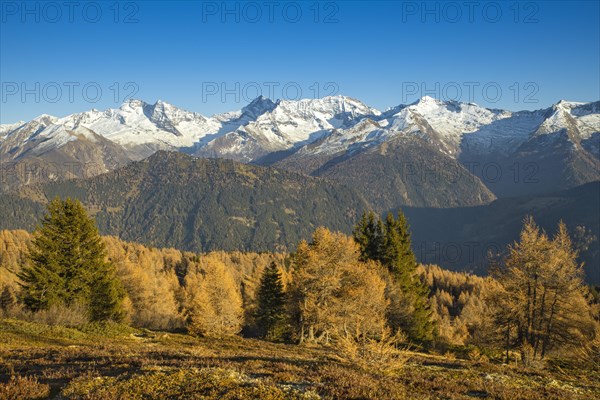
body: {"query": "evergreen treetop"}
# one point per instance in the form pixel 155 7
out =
pixel 271 299
pixel 67 264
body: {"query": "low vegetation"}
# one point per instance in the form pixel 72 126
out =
pixel 119 362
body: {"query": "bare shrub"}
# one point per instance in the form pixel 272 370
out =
pixel 475 355
pixel 23 388
pixel 381 353
pixel 589 353
pixel 528 357
pixel 71 316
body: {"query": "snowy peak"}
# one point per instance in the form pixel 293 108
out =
pixel 428 105
pixel 258 106
pixel 444 122
pixel 557 120
pixel 168 117
pixel 334 106
pixel 428 100
pixel 327 113
pixel 132 104
pixel 579 120
pixel 568 104
pixel 161 111
pixel 15 138
pixel 5 129
pixel 283 125
pixel 45 120
pixel 146 127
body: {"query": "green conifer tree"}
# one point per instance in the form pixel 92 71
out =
pixel 106 300
pixel 389 242
pixel 271 315
pixel 7 299
pixel 400 260
pixel 369 234
pixel 67 264
pixel 397 254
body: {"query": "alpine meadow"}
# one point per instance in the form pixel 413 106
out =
pixel 334 200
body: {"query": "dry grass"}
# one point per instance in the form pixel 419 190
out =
pixel 115 362
pixel 381 355
pixel 21 388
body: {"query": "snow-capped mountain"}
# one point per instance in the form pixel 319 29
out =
pixel 4 129
pixel 143 128
pixel 338 123
pixel 285 125
pixel 315 135
pixel 454 127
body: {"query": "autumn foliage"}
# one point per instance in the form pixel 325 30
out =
pixel 364 294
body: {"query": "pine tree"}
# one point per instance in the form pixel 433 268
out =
pixel 67 264
pixel 397 254
pixel 400 260
pixel 369 234
pixel 106 301
pixel 7 299
pixel 271 314
pixel 390 243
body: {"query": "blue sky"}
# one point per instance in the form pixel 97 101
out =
pixel 208 58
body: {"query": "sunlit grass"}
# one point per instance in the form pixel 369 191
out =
pixel 113 361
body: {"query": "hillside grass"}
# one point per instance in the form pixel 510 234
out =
pixel 110 361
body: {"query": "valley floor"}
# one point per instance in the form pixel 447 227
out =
pixel 100 362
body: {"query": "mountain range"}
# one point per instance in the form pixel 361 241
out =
pixel 430 153
pixel 264 177
pixel 171 199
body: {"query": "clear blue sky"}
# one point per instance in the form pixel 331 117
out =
pixel 384 53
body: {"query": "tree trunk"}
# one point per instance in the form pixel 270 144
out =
pixel 546 340
pixel 528 322
pixel 540 325
pixel 507 341
pixel 531 328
